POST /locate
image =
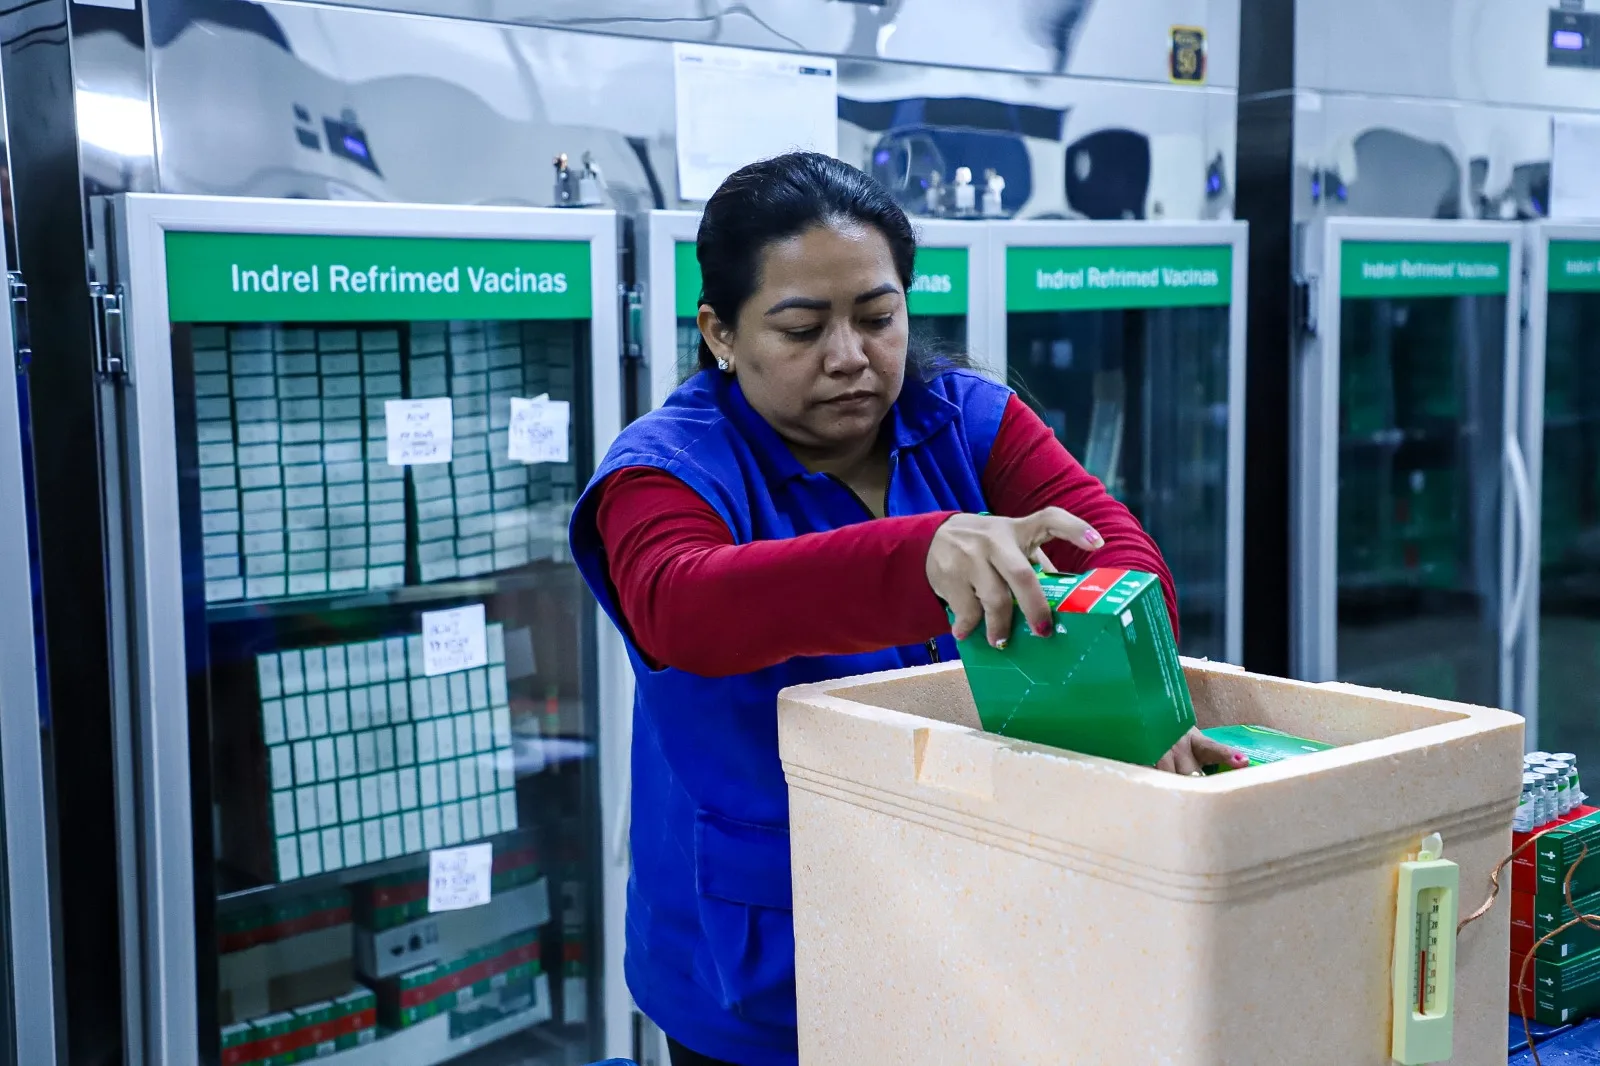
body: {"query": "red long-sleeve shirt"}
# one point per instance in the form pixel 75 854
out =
pixel 687 590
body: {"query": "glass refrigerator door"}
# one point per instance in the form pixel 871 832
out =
pixel 27 1013
pixel 1127 339
pixel 672 301
pixel 1411 472
pixel 1561 429
pixel 945 306
pixel 368 681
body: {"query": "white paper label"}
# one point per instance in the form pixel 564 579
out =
pixel 735 105
pixel 419 431
pixel 539 429
pixel 1574 155
pixel 454 640
pixel 459 878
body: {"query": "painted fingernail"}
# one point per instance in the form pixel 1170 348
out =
pixel 960 634
pixel 1092 538
pixel 1000 645
pixel 1240 760
pixel 1043 630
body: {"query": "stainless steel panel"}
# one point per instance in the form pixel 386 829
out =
pixel 448 111
pixel 1484 51
pixel 1377 157
pixel 1091 38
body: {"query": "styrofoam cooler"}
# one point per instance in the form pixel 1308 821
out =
pixel 962 898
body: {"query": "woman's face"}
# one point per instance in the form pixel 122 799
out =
pixel 820 347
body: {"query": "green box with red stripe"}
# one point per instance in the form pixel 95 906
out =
pixel 1106 682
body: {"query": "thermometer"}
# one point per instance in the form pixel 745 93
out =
pixel 1425 956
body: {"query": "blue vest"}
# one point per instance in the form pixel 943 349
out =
pixel 710 933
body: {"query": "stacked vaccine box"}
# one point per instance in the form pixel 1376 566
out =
pixel 473 515
pixel 290 504
pixel 508 478
pixel 552 487
pixel 436 503
pixel 370 759
pixel 220 520
pixel 470 383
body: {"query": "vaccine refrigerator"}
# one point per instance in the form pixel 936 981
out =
pixel 1413 501
pixel 1131 349
pixel 1128 339
pixel 359 680
pixel 1558 683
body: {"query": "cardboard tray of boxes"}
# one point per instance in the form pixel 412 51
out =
pixel 966 897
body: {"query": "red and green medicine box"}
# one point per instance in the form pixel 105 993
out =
pixel 1533 918
pixel 238 1045
pixel 356 1019
pixel 1540 870
pixel 1107 682
pixel 273 1037
pixel 1556 993
pixel 406 999
pixel 315 1030
pixel 391 901
pixel 513 869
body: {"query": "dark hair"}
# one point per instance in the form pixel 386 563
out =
pixel 784 196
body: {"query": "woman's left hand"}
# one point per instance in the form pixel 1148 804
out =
pixel 1196 751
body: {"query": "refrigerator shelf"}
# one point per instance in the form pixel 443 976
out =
pixel 429 1042
pixel 551 578
pixel 229 900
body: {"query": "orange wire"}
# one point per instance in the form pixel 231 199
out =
pixel 1591 920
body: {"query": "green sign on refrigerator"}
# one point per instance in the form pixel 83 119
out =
pixel 686 277
pixel 1101 278
pixel 1397 269
pixel 260 277
pixel 1575 266
pixel 939 286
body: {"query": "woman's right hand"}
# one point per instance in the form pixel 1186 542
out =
pixel 979 565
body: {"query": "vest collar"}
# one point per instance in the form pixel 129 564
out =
pixel 918 414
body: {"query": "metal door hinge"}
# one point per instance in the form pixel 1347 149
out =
pixel 20 340
pixel 1305 305
pixel 632 322
pixel 110 333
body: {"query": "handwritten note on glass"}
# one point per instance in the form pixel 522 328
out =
pixel 539 430
pixel 459 878
pixel 419 431
pixel 454 640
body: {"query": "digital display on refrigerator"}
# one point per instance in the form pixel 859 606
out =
pixel 1422 369
pixel 379 443
pixel 1125 352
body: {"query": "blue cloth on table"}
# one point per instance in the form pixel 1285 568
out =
pixel 1517 1040
pixel 1577 1046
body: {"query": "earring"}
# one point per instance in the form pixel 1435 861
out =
pixel 724 366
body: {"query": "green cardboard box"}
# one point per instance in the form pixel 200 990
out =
pixel 1106 683
pixel 1557 992
pixel 1260 744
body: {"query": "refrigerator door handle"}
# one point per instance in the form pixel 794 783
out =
pixel 1527 526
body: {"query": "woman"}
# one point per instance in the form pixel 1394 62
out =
pixel 802 509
